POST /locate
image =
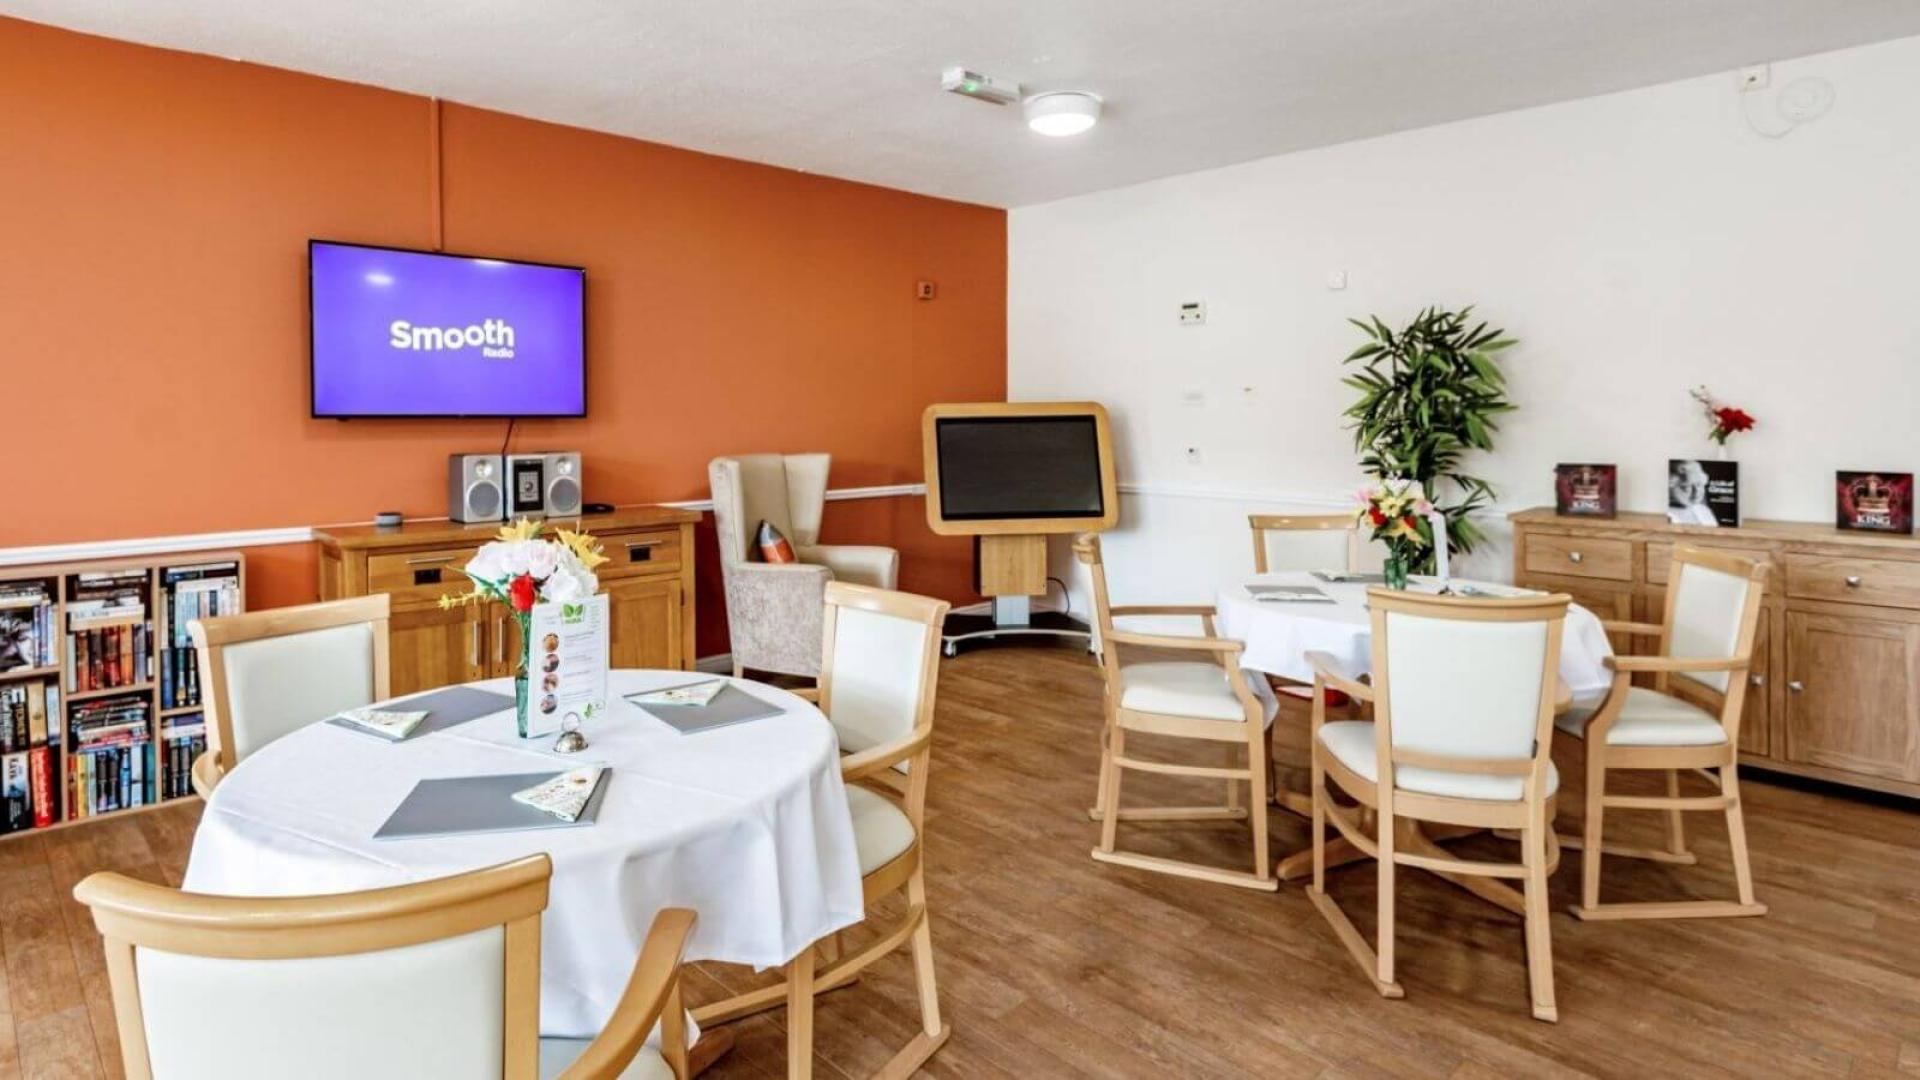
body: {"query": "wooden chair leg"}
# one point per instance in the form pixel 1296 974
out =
pixel 1261 768
pixel 1106 755
pixel 1592 847
pixel 1266 750
pixel 1676 819
pixel 1317 783
pixel 933 1032
pixel 1110 770
pixel 1533 848
pixel 1737 837
pixel 1383 952
pixel 1233 786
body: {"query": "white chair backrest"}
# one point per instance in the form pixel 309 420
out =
pixel 1466 688
pixel 878 662
pixel 432 1009
pixel 278 684
pixel 1707 607
pixel 1304 542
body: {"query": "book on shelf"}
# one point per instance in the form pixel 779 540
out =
pixel 204 590
pixel 27 743
pixel 183 738
pixel 26 624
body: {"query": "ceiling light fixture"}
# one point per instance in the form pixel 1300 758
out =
pixel 1064 112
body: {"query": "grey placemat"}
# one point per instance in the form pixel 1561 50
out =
pixel 730 706
pixel 445 708
pixel 480 804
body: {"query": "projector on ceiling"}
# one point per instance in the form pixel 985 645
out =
pixel 980 87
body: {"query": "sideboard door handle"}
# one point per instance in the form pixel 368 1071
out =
pixel 1796 686
pixel 1757 680
pixel 1853 581
pixel 473 644
pixel 1574 556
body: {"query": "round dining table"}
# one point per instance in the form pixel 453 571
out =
pixel 1277 635
pixel 747 825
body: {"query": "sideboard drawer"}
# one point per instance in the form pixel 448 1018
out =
pixel 1586 556
pixel 632 554
pixel 416 576
pixel 1859 581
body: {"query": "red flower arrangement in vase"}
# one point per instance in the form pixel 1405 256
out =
pixel 1726 420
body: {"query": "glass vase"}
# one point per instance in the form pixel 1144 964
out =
pixel 1394 570
pixel 521 699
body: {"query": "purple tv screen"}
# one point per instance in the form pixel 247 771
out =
pixel 412 333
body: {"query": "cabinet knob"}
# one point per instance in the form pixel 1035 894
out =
pixel 1757 680
pixel 1853 581
pixel 1573 556
pixel 1796 686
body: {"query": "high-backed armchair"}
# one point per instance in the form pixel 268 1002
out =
pixel 774 609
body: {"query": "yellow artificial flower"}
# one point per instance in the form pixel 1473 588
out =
pixel 584 547
pixel 524 529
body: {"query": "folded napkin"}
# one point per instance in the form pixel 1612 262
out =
pixel 700 693
pixel 386 723
pixel 564 796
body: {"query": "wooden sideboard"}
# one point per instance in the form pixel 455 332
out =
pixel 1836 669
pixel 648 581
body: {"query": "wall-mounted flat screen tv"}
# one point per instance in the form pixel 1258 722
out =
pixel 1011 468
pixel 415 333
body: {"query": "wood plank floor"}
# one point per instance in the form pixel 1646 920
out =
pixel 1051 965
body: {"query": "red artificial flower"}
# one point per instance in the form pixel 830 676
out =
pixel 1378 518
pixel 523 591
pixel 1734 419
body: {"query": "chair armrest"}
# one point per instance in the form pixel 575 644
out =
pixel 774 615
pixel 861 564
pixel 206 773
pixel 1638 629
pixel 652 990
pixel 1677 663
pixel 1174 641
pixel 875 759
pixel 806 693
pixel 1325 672
pixel 1162 609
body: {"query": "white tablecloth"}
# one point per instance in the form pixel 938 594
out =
pixel 1279 635
pixel 748 825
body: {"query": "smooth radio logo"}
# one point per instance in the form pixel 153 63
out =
pixel 494 338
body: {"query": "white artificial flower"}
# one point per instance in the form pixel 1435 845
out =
pixel 542 558
pixel 569 584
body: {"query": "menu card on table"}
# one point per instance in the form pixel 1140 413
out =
pixel 567 666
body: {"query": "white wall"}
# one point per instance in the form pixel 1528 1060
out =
pixel 1637 244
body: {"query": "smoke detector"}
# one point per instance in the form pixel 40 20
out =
pixel 958 80
pixel 1064 112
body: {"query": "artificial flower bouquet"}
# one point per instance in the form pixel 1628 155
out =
pixel 520 568
pixel 1724 420
pixel 1400 516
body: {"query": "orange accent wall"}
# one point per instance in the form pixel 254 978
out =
pixel 155 208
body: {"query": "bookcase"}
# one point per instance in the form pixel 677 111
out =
pixel 100 708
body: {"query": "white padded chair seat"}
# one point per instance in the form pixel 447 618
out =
pixel 881 830
pixel 1351 743
pixel 557 1054
pixel 1650 718
pixel 1180 688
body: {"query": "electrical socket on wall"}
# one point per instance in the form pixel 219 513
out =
pixel 1193 313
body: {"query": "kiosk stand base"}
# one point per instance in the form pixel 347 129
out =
pixel 975 629
pixel 1012 570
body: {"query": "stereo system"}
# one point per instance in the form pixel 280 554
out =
pixel 489 487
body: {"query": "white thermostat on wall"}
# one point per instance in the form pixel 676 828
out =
pixel 1193 313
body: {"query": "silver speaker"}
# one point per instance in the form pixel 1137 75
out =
pixel 474 491
pixel 563 484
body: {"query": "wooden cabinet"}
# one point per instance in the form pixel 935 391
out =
pixel 1834 691
pixel 648 581
pixel 1843 667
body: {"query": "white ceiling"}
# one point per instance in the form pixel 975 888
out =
pixel 851 87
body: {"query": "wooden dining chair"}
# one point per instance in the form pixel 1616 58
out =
pixel 435 979
pixel 1463 693
pixel 1687 721
pixel 266 673
pixel 879 673
pixel 1304 542
pixel 1194 700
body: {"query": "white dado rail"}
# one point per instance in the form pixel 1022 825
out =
pixel 301 534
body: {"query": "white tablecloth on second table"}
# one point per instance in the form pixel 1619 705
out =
pixel 1279 635
pixel 748 825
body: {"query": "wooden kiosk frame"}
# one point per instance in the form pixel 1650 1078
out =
pixel 1010 554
